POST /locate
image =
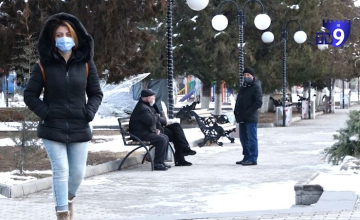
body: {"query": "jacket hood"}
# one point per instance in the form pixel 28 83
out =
pixel 46 45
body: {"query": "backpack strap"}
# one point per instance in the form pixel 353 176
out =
pixel 42 72
pixel 87 69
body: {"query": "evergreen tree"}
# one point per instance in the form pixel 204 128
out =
pixel 26 45
pixel 348 143
pixel 114 25
pixel 27 140
pixel 211 56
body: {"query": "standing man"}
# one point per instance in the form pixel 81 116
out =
pixel 248 101
pixel 145 124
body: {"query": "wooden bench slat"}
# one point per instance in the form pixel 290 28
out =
pixel 227 126
pixel 205 115
pixel 128 141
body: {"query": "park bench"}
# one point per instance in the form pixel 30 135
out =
pixel 211 128
pixel 132 140
pixel 183 113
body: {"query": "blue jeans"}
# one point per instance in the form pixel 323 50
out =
pixel 249 142
pixel 68 164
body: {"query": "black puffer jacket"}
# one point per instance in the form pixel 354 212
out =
pixel 65 114
pixel 248 101
pixel 144 120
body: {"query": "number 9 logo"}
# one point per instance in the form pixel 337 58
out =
pixel 340 38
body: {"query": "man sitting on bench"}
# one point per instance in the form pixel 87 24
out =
pixel 145 124
pixel 176 134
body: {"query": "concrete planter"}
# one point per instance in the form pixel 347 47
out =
pixel 307 194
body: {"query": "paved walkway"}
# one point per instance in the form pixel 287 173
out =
pixel 214 187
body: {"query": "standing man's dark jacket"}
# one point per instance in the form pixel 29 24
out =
pixel 144 120
pixel 248 101
pixel 64 111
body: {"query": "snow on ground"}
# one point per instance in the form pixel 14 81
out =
pixel 349 181
pixel 6 142
pixel 253 197
pixel 357 3
pixel 11 178
pixel 9 126
pixel 97 181
pixel 330 180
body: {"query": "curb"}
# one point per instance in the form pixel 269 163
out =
pixel 46 183
pixel 266 125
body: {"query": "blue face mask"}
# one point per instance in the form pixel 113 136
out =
pixel 64 44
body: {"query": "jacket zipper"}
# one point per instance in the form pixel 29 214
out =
pixel 67 106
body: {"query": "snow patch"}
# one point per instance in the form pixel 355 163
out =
pixel 11 178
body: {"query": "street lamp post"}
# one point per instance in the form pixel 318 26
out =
pixel 7 89
pixel 330 94
pixel 309 110
pixel 170 59
pixel 358 81
pixel 322 47
pixel 343 92
pixel 196 5
pixel 299 37
pixel 220 22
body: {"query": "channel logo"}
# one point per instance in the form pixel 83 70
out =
pixel 339 33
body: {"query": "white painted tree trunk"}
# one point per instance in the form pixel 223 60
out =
pixel 218 103
pixel 205 102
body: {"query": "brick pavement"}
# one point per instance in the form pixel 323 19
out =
pixel 286 156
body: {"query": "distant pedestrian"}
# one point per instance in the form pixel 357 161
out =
pixel 145 124
pixel 248 101
pixel 68 74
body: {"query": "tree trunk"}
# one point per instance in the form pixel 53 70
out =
pixel 217 108
pixel 205 98
pixel 23 148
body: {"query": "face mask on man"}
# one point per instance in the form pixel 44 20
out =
pixel 248 80
pixel 152 103
pixel 64 44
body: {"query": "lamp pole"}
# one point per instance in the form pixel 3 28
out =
pixel 7 89
pixel 309 109
pixel 330 94
pixel 358 81
pixel 195 5
pixel 220 22
pixel 343 92
pixel 170 65
pixel 300 37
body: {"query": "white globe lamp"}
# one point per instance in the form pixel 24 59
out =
pixel 267 37
pixel 197 5
pixel 300 37
pixel 219 22
pixel 262 21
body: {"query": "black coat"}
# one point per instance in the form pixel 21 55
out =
pixel 64 111
pixel 248 101
pixel 144 120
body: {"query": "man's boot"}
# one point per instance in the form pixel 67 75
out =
pixel 63 215
pixel 71 207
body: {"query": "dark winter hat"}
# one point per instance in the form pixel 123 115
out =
pixel 147 92
pixel 248 70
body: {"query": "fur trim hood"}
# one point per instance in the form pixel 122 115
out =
pixel 46 46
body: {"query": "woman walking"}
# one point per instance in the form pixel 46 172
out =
pixel 68 74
